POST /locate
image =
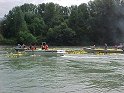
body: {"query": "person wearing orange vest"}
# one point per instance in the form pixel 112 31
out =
pixel 44 46
pixel 33 47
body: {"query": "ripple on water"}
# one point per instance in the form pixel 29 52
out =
pixel 67 74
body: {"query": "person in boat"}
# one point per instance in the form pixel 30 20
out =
pixel 122 47
pixel 23 46
pixel 106 46
pixel 44 46
pixel 18 46
pixel 29 47
pixel 93 47
pixel 115 47
pixel 33 47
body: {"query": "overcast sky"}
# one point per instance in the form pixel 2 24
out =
pixel 6 5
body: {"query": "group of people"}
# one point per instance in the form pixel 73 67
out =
pixel 44 46
pixel 121 46
pixel 21 46
pixel 105 46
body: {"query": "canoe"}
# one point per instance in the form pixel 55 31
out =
pixel 46 52
pixel 41 52
pixel 90 50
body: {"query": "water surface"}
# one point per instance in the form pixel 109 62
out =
pixel 72 73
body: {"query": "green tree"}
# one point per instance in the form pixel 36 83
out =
pixel 73 17
pixel 29 8
pixel 49 13
pixel 37 27
pixel 101 20
pixel 41 10
pixel 26 38
pixel 61 35
pixel 98 22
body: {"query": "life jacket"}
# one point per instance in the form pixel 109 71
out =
pixel 33 48
pixel 46 47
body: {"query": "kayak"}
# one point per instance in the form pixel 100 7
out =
pixel 90 50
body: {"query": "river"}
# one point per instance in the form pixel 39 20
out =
pixel 71 73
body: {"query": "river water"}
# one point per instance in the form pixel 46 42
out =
pixel 71 73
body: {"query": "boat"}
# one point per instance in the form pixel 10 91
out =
pixel 20 49
pixel 46 52
pixel 41 52
pixel 90 50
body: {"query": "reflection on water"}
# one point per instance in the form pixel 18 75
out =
pixel 86 73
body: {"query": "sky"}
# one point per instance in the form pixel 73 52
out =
pixel 7 5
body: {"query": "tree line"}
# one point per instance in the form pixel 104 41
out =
pixel 97 22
